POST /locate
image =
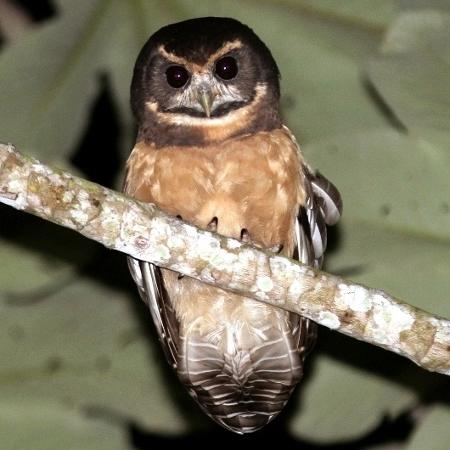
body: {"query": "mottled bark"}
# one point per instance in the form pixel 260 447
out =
pixel 145 232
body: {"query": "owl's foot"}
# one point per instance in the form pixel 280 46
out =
pixel 246 239
pixel 212 226
pixel 276 249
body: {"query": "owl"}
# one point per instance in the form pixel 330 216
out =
pixel 212 149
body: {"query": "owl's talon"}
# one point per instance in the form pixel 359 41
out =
pixel 179 217
pixel 245 237
pixel 276 248
pixel 212 226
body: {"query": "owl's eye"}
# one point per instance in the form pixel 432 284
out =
pixel 177 76
pixel 226 68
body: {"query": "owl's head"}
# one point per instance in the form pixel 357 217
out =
pixel 204 80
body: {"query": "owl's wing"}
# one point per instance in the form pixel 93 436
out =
pixel 149 281
pixel 150 284
pixel 323 206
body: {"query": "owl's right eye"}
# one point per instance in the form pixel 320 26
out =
pixel 177 76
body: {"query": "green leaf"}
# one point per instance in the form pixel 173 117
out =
pixel 341 402
pixel 433 431
pixel 424 4
pixel 83 347
pixel 359 13
pixel 412 73
pixel 389 179
pixel 49 79
pixel 41 76
pixel 51 426
pixel 38 257
pixel 38 270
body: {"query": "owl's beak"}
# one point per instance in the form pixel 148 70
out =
pixel 206 99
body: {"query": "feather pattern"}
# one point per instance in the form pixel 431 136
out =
pixel 238 358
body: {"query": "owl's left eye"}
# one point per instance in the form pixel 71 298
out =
pixel 226 68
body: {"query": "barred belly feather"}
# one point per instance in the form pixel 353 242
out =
pixel 241 372
pixel 245 389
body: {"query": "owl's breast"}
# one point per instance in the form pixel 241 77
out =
pixel 254 182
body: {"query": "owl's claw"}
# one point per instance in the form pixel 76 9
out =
pixel 212 226
pixel 276 248
pixel 245 238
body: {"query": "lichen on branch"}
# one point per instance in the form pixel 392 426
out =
pixel 147 233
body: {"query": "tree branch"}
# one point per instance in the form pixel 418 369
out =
pixel 145 232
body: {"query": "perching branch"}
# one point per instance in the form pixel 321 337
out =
pixel 145 232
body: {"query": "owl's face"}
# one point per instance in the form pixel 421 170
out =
pixel 224 82
pixel 203 74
